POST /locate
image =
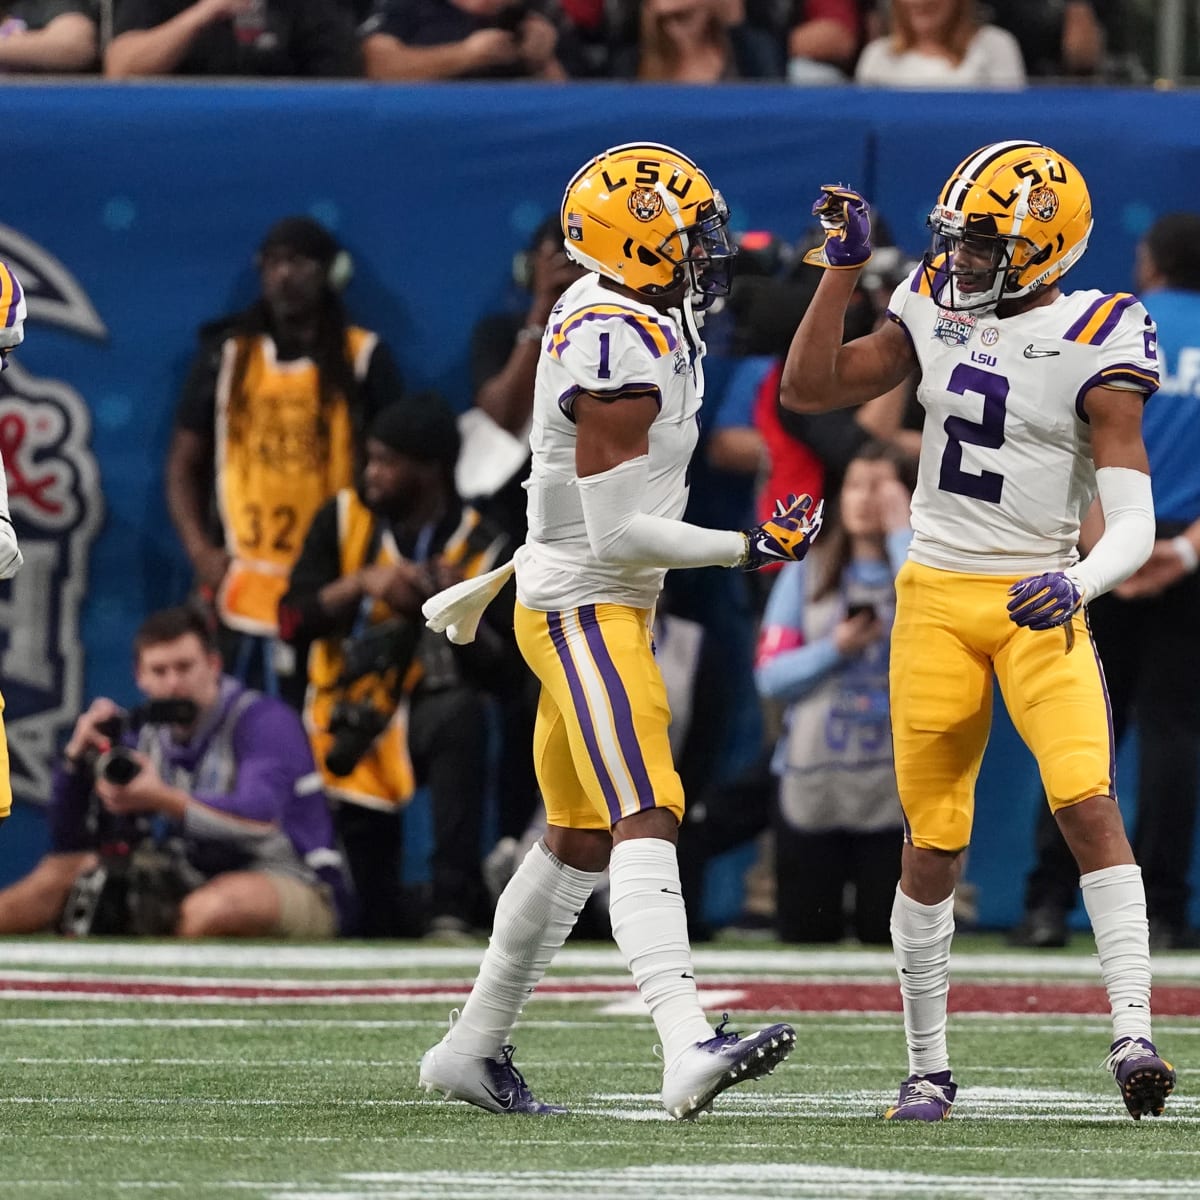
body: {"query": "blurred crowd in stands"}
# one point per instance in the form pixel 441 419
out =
pixel 881 43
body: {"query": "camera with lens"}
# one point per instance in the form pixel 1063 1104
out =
pixel 383 651
pixel 118 765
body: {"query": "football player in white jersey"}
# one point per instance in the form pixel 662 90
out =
pixel 12 333
pixel 1033 399
pixel 616 406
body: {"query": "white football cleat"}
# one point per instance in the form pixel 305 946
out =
pixel 493 1084
pixel 704 1070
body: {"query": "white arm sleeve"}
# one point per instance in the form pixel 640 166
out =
pixel 621 534
pixel 10 552
pixel 1128 536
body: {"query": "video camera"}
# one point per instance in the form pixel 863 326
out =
pixel 118 765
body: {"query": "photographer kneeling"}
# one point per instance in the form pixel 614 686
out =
pixel 199 813
pixel 391 705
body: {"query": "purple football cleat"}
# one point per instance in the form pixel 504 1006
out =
pixel 924 1098
pixel 493 1084
pixel 1145 1079
pixel 703 1071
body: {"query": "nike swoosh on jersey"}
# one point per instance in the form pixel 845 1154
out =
pixel 1032 352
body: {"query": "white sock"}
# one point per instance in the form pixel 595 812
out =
pixel 535 913
pixel 1115 900
pixel 650 927
pixel 921 937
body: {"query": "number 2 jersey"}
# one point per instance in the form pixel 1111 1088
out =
pixel 605 343
pixel 1006 469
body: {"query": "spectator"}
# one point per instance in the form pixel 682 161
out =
pixel 696 41
pixel 1056 37
pixel 824 41
pixel 504 356
pixel 48 35
pixel 824 652
pixel 941 44
pixel 397 705
pixel 303 38
pixel 494 464
pixel 271 417
pixel 460 39
pixel 233 782
pixel 1147 631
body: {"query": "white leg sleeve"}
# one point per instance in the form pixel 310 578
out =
pixel 535 914
pixel 1115 899
pixel 921 937
pixel 649 924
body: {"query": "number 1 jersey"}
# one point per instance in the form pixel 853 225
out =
pixel 1006 469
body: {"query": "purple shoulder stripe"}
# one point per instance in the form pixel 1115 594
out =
pixel 566 402
pixel 1112 320
pixel 1128 373
pixel 1088 313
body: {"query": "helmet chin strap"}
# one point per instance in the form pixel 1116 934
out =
pixel 692 320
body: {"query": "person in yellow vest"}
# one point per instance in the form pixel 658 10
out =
pixel 391 705
pixel 267 429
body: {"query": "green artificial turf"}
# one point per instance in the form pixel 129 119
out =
pixel 318 1100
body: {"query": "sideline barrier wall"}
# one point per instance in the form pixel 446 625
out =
pixel 131 212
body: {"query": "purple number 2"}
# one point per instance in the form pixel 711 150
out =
pixel 989 433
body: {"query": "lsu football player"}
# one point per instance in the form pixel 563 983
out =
pixel 12 333
pixel 616 417
pixel 1033 404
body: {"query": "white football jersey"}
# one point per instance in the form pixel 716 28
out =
pixel 601 342
pixel 1006 469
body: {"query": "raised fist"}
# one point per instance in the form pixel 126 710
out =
pixel 846 218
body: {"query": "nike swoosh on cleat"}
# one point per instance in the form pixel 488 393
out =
pixel 507 1102
pixel 1033 352
pixel 685 975
pixel 670 892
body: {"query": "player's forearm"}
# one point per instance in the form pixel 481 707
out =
pixel 622 535
pixel 1128 536
pixel 68 43
pixel 810 380
pixel 156 51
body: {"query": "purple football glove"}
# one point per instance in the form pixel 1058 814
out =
pixel 786 536
pixel 1044 601
pixel 846 218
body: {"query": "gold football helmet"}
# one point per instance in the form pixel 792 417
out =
pixel 646 216
pixel 1012 218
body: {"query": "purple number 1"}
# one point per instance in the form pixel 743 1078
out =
pixel 603 372
pixel 989 433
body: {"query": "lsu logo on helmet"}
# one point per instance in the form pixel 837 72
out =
pixel 647 217
pixel 1013 217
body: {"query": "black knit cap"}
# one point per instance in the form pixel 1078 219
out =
pixel 303 236
pixel 423 427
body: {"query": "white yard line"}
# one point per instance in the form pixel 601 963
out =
pixel 337 957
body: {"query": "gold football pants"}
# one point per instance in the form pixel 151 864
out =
pixel 600 743
pixel 952 635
